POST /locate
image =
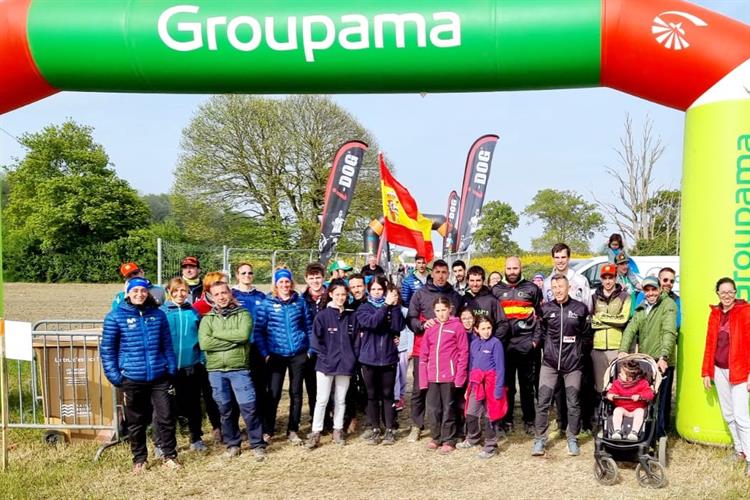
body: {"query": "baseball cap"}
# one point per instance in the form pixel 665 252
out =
pixel 190 261
pixel 621 258
pixel 608 269
pixel 650 281
pixel 129 268
pixel 339 265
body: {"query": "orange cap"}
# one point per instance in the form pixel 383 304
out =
pixel 610 269
pixel 128 268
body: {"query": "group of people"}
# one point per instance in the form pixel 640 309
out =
pixel 349 342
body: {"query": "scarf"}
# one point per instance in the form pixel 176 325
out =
pixel 192 282
pixel 377 302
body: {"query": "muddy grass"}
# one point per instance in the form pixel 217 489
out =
pixel 355 471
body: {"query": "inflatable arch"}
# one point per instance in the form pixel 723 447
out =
pixel 667 51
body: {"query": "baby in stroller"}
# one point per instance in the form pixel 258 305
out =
pixel 630 394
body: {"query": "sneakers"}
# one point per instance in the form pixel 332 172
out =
pixel 538 448
pixel 171 464
pixel 259 453
pixel 400 405
pixel 632 436
pixel 446 449
pixel 367 434
pixel 433 445
pixel 232 451
pixel 616 435
pixel 338 437
pixel 414 434
pixel 573 449
pixel 294 439
pixel 139 468
pixel 390 437
pixel 486 454
pixel 198 446
pixel 313 440
pixel 374 437
pixel 465 445
pixel 267 438
pixel 158 453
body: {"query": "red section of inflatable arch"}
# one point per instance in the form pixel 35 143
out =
pixel 25 84
pixel 668 51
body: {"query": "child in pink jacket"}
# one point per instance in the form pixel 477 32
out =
pixel 443 365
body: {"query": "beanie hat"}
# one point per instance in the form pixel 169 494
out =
pixel 281 274
pixel 136 282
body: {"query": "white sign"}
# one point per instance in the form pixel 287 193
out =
pixel 18 340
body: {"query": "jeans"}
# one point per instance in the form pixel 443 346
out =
pixel 236 383
pixel 379 381
pixel 139 399
pixel 277 368
pixel 402 372
pixel 324 383
pixel 548 377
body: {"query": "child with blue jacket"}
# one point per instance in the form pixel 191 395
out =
pixel 183 326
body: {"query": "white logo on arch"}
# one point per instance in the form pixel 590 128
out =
pixel 672 34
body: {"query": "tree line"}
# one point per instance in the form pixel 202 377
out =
pixel 251 173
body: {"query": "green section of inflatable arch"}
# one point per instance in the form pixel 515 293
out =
pixel 717 143
pixel 503 45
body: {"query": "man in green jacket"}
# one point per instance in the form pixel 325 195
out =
pixel 225 335
pixel 654 325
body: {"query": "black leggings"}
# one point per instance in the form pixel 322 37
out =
pixel 277 368
pixel 380 382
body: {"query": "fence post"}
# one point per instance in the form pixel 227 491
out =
pixel 158 261
pixel 273 264
pixel 225 260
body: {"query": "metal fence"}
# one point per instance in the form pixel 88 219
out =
pixel 63 390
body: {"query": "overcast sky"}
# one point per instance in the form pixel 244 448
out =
pixel 548 139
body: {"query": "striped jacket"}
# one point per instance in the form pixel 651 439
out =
pixel 520 303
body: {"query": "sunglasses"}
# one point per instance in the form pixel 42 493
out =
pixel 246 273
pixel 667 280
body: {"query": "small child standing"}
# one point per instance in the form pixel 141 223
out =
pixel 630 394
pixel 485 393
pixel 183 327
pixel 467 319
pixel 443 363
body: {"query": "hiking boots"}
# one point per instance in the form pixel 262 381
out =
pixel 313 440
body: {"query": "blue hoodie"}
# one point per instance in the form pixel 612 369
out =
pixel 183 326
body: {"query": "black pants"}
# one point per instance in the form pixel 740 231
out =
pixel 664 420
pixel 187 385
pixel 139 400
pixel 212 411
pixel 522 365
pixel 460 398
pixel 310 383
pixel 277 368
pixel 418 396
pixel 380 382
pixel 356 398
pixel 441 412
pixel 259 375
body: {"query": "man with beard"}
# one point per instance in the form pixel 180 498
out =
pixel 520 300
pixel 479 299
pixel 421 316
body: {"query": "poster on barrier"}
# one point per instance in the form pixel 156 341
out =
pixel 18 340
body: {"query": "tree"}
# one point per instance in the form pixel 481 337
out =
pixel 635 207
pixel 160 206
pixel 664 216
pixel 266 162
pixel 63 196
pixel 566 217
pixel 497 223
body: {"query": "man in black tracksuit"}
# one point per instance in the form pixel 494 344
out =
pixel 563 329
pixel 520 300
pixel 478 297
pixel 420 317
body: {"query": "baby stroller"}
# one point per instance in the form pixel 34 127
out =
pixel 650 450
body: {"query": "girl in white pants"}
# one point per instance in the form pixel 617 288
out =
pixel 334 331
pixel 726 360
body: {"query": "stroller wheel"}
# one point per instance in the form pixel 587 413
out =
pixel 661 450
pixel 652 476
pixel 605 471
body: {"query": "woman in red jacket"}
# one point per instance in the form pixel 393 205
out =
pixel 726 360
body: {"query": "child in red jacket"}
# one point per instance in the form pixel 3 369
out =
pixel 443 365
pixel 630 394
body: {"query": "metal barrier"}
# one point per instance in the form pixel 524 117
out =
pixel 63 389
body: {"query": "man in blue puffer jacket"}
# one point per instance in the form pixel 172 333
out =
pixel 137 356
pixel 282 332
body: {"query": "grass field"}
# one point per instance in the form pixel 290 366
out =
pixel 355 471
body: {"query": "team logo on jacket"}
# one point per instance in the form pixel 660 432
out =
pixel 553 315
pixel 277 307
pixel 670 34
pixel 572 315
pixel 332 330
pixel 131 322
pixel 523 295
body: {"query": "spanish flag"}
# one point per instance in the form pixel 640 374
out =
pixel 404 225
